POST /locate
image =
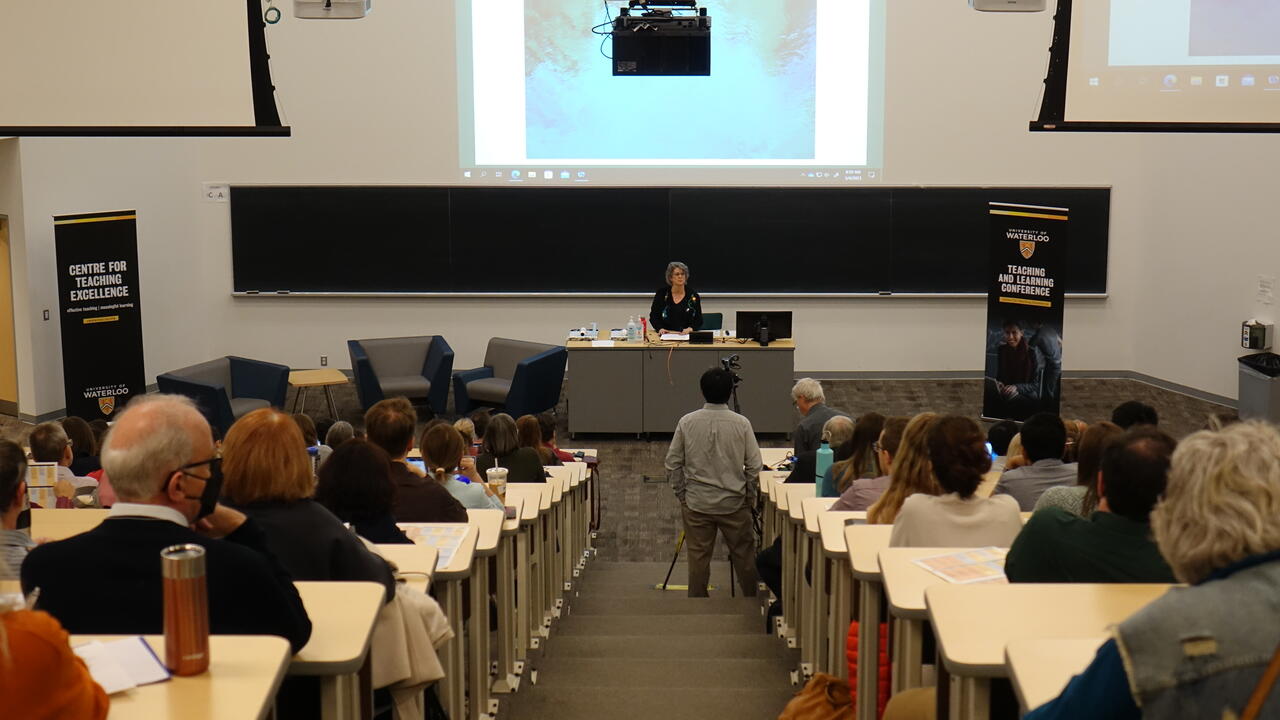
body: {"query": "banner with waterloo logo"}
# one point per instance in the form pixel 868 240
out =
pixel 101 314
pixel 1024 310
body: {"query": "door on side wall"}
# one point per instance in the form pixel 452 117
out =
pixel 8 350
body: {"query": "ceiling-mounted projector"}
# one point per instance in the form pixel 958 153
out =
pixel 331 9
pixel 1007 5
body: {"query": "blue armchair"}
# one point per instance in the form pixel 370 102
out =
pixel 417 368
pixel 229 387
pixel 521 377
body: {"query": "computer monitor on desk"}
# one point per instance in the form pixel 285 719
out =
pixel 749 324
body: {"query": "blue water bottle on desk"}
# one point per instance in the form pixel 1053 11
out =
pixel 822 465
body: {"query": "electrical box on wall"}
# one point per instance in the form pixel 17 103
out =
pixel 1007 5
pixel 1256 335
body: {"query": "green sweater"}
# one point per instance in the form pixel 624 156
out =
pixel 1058 547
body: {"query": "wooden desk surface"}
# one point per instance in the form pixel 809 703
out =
pixel 652 340
pixel 865 543
pixel 770 482
pixel 316 378
pixel 342 616
pixel 795 495
pixel 510 526
pixel 416 563
pixel 905 582
pixel 561 479
pixel 1040 668
pixel 772 456
pixel 59 524
pixel 580 472
pixel 460 564
pixel 813 508
pixel 244 674
pixel 488 524
pixel 530 497
pixel 831 525
pixel 974 623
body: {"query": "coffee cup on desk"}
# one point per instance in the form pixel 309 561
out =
pixel 497 477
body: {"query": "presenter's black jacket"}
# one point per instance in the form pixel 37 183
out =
pixel 666 315
pixel 107 581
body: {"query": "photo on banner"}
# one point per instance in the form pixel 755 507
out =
pixel 101 313
pixel 1023 369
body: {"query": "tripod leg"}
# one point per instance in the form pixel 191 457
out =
pixel 679 544
pixel 732 582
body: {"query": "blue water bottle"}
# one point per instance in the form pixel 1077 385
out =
pixel 823 464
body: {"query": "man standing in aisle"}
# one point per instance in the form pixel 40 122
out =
pixel 714 468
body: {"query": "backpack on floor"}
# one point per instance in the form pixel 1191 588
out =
pixel 824 697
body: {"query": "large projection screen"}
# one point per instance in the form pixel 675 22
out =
pixel 95 67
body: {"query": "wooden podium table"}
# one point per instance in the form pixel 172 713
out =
pixel 324 378
pixel 643 387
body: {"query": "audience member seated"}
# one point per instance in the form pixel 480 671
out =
pixel 912 471
pixel 40 675
pixel 390 424
pixel 861 459
pixel 311 437
pixel 1015 458
pixel 958 518
pixel 442 449
pixel 480 421
pixel 1075 429
pixel 339 433
pixel 99 428
pixel 84 446
pixel 810 400
pixel 863 492
pixel 1044 437
pixel 268 476
pixel 836 431
pixel 1114 544
pixel 501 449
pixel 14 543
pixel 529 434
pixel 547 422
pixel 49 444
pixel 467 430
pixel 355 484
pixel 106 581
pixel 1082 498
pixel 999 435
pixel 1130 413
pixel 1199 651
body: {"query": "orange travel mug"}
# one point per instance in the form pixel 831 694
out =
pixel 186 609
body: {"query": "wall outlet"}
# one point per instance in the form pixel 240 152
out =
pixel 46 314
pixel 324 361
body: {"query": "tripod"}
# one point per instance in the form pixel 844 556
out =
pixel 676 556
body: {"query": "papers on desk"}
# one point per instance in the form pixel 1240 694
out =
pixel 602 343
pixel 968 566
pixel 121 665
pixel 41 478
pixel 444 538
pixel 674 336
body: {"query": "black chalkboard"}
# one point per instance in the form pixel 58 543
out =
pixel 575 240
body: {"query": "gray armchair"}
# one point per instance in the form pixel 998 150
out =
pixel 521 377
pixel 229 387
pixel 417 368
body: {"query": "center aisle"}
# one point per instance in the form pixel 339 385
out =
pixel 627 650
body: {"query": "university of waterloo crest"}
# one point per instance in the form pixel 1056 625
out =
pixel 107 404
pixel 1027 248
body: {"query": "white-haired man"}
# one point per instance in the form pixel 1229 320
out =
pixel 166 473
pixel 811 402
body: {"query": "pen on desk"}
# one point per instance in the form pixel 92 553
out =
pixel 32 598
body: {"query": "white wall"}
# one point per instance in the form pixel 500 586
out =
pixel 372 102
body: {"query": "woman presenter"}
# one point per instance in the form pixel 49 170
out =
pixel 677 308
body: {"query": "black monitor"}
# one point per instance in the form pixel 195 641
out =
pixel 748 323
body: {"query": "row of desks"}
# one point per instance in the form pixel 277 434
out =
pixel 534 557
pixel 1038 635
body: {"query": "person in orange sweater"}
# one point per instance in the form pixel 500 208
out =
pixel 40 677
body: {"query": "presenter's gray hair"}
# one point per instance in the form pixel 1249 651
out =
pixel 838 430
pixel 809 389
pixel 135 470
pixel 1222 501
pixel 674 266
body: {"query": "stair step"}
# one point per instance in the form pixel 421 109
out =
pixel 684 624
pixel 592 603
pixel 689 647
pixel 620 703
pixel 665 673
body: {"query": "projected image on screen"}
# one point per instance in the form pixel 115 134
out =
pixel 794 96
pixel 762 88
pixel 1174 61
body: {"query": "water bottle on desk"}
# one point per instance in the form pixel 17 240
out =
pixel 633 330
pixel 822 465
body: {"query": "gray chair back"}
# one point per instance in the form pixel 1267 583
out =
pixel 504 354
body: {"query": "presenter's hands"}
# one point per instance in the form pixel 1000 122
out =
pixel 220 523
pixel 686 331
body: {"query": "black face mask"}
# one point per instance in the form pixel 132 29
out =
pixel 212 486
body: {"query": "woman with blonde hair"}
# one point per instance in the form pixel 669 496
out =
pixel 912 471
pixel 442 451
pixel 267 475
pixel 1203 650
